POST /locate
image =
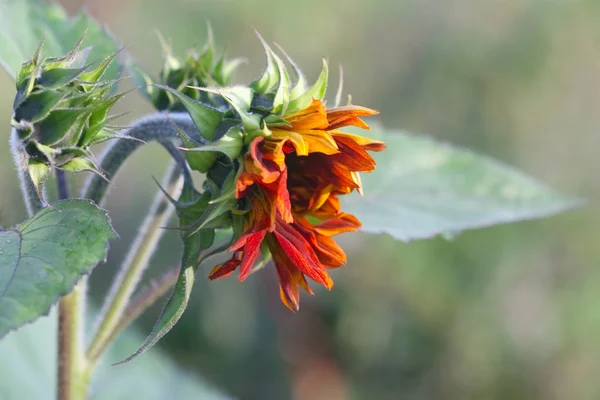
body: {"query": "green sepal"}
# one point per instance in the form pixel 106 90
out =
pixel 225 68
pixel 316 92
pixel 26 71
pixel 145 83
pixel 190 207
pixel 38 172
pixel 270 77
pixel 231 144
pixel 80 164
pixel 240 99
pixel 222 201
pixel 58 77
pixel 301 83
pixel 66 60
pixel 37 106
pixel 282 96
pixel 95 74
pixel 40 152
pixel 198 161
pixel 61 125
pixel 206 118
pixel 106 134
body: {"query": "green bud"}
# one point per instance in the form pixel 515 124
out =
pixel 61 109
pixel 201 68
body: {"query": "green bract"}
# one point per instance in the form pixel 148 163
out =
pixel 61 109
pixel 201 67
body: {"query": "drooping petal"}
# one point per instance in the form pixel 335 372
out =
pixel 343 222
pixel 251 253
pixel 290 277
pixel 223 270
pixel 365 142
pixel 301 254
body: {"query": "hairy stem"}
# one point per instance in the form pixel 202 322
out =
pixel 155 127
pixel 32 201
pixel 72 365
pixel 71 356
pixel 134 265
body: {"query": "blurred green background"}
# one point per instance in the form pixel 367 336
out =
pixel 507 312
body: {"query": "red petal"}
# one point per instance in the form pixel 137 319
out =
pixel 251 253
pixel 301 254
pixel 222 270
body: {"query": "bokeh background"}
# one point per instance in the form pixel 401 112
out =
pixel 507 312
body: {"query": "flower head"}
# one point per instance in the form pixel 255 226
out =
pixel 296 166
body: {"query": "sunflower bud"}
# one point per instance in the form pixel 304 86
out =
pixel 60 110
pixel 202 67
pixel 290 163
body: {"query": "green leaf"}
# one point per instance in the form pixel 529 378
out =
pixel 44 257
pixel 422 188
pixel 171 313
pixel 31 352
pixel 23 24
pixel 190 205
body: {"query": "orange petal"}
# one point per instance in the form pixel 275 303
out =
pixel 289 296
pixel 318 141
pixel 296 139
pixel 369 144
pixel 342 223
pixel 312 117
pixel 350 111
pixel 347 121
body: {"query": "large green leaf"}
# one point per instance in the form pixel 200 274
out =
pixel 422 188
pixel 44 257
pixel 28 370
pixel 23 24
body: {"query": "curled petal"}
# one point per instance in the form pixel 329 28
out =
pixel 364 142
pixel 340 224
pixel 312 117
pixel 223 270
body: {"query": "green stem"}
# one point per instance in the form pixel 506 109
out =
pixel 72 365
pixel 155 127
pixel 133 267
pixel 71 317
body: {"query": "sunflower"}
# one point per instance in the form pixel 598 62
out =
pixel 291 180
